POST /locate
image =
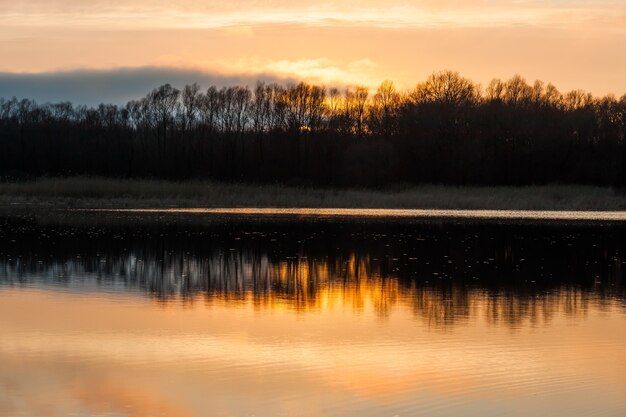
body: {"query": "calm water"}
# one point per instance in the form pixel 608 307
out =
pixel 129 314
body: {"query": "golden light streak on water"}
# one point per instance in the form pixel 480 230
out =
pixel 394 213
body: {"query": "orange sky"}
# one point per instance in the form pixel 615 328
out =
pixel 574 44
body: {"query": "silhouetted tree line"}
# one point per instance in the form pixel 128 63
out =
pixel 446 130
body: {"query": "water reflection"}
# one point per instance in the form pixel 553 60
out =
pixel 443 274
pixel 490 215
pixel 309 318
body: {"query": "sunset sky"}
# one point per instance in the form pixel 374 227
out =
pixel 114 50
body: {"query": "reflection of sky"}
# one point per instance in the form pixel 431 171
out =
pixel 91 353
pixel 302 320
pixel 310 320
pixel 574 44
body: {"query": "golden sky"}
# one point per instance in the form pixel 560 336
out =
pixel 572 43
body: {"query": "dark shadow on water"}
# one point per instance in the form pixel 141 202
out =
pixel 445 273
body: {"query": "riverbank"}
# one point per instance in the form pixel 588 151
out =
pixel 84 192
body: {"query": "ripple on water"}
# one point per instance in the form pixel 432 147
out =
pixel 352 321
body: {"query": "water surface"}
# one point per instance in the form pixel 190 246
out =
pixel 121 315
pixel 490 215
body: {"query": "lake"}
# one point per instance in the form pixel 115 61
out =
pixel 218 314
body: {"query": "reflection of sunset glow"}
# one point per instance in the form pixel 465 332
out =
pixel 354 283
pixel 579 215
pixel 149 349
pixel 277 318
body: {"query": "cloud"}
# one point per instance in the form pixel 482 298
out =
pixel 118 85
pixel 91 87
pixel 573 43
pixel 397 13
pixel 314 70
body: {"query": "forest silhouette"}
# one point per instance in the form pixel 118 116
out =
pixel 447 130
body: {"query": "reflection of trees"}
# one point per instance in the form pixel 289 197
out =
pixel 513 310
pixel 307 284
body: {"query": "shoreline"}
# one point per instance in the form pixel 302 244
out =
pixel 104 193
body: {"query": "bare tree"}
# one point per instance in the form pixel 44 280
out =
pixel 517 91
pixel 355 109
pixel 446 87
pixel 162 104
pixel 191 102
pixel 383 110
pixel 495 90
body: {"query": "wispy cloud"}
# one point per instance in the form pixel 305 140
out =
pixel 186 14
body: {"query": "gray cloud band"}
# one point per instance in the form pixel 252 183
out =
pixel 115 86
